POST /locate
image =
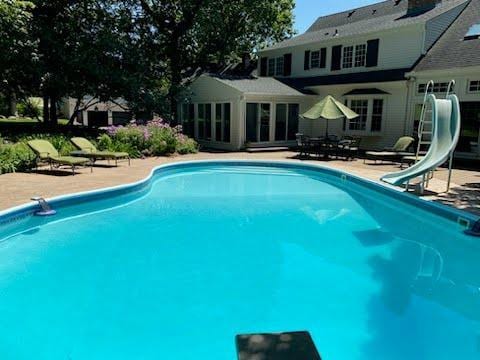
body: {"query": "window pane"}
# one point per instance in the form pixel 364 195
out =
pixel 226 122
pixel 293 112
pixel 208 121
pixel 281 122
pixel 377 115
pixel 271 67
pixel 360 55
pixel 347 57
pixel 279 66
pixel 315 60
pixel 361 108
pixel 474 86
pixel 251 122
pixel 218 122
pixel 265 122
pixel 201 121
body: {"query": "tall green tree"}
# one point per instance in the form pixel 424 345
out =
pixel 17 51
pixel 86 48
pixel 192 34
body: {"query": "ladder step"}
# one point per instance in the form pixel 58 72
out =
pixel 425 142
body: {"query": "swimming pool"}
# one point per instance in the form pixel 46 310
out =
pixel 176 266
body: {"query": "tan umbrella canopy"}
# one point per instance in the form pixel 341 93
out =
pixel 329 109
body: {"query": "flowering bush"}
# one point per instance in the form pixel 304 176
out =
pixel 153 138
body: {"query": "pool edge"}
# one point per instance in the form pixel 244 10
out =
pixel 445 211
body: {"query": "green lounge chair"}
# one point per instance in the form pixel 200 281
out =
pixel 46 152
pixel 395 153
pixel 87 149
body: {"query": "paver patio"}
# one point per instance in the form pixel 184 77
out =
pixel 18 188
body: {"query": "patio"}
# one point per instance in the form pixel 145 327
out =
pixel 18 188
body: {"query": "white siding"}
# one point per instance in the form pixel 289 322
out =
pixel 209 90
pixel 206 89
pixel 399 48
pixel 394 117
pixel 437 26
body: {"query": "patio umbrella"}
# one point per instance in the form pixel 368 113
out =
pixel 329 109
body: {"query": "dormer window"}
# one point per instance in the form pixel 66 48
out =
pixel 473 32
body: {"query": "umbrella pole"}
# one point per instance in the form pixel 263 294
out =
pixel 326 130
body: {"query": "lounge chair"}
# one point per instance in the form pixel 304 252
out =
pixel 46 152
pixel 88 150
pixel 393 154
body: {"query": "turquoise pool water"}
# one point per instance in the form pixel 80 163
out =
pixel 176 270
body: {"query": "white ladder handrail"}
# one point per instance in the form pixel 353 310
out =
pixel 421 124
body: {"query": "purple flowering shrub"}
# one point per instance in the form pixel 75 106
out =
pixel 155 138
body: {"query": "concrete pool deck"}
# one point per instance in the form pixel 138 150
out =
pixel 18 188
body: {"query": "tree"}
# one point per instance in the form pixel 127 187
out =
pixel 85 48
pixel 191 34
pixel 18 51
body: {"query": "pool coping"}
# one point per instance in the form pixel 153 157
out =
pixel 28 209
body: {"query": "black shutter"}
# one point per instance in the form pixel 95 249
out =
pixel 287 64
pixel 337 57
pixel 372 52
pixel 306 63
pixel 323 58
pixel 263 66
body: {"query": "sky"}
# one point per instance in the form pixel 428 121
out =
pixel 307 11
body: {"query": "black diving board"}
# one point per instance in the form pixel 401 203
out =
pixel 296 345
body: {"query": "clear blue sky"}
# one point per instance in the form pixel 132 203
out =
pixel 308 10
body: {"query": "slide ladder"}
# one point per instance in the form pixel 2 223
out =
pixel 445 132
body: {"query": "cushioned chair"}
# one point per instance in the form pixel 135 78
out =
pixel 87 149
pixel 46 152
pixel 395 153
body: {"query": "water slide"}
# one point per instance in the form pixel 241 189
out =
pixel 446 132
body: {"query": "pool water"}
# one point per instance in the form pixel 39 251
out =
pixel 206 253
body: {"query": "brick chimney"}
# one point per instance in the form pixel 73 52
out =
pixel 415 6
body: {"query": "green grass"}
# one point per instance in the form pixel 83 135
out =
pixel 21 120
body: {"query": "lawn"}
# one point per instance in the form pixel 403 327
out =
pixel 27 121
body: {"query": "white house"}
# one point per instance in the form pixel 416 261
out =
pixel 375 59
pixel 97 113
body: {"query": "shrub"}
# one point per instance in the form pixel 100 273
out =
pixel 28 108
pixel 155 138
pixel 15 157
pixel 186 145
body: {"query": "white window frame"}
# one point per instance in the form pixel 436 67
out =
pixel 271 67
pixel 352 57
pixel 287 118
pixel 317 59
pixel 359 52
pixel 436 87
pixel 279 66
pixel 271 134
pixel 368 125
pixel 214 122
pixel 469 86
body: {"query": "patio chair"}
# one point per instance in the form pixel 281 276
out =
pixel 303 145
pixel 88 150
pixel 349 147
pixel 393 154
pixel 46 152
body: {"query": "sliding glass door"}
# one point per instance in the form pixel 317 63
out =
pixel 257 122
pixel 286 121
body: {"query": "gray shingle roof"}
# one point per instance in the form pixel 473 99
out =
pixel 258 86
pixel 364 20
pixel 452 50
